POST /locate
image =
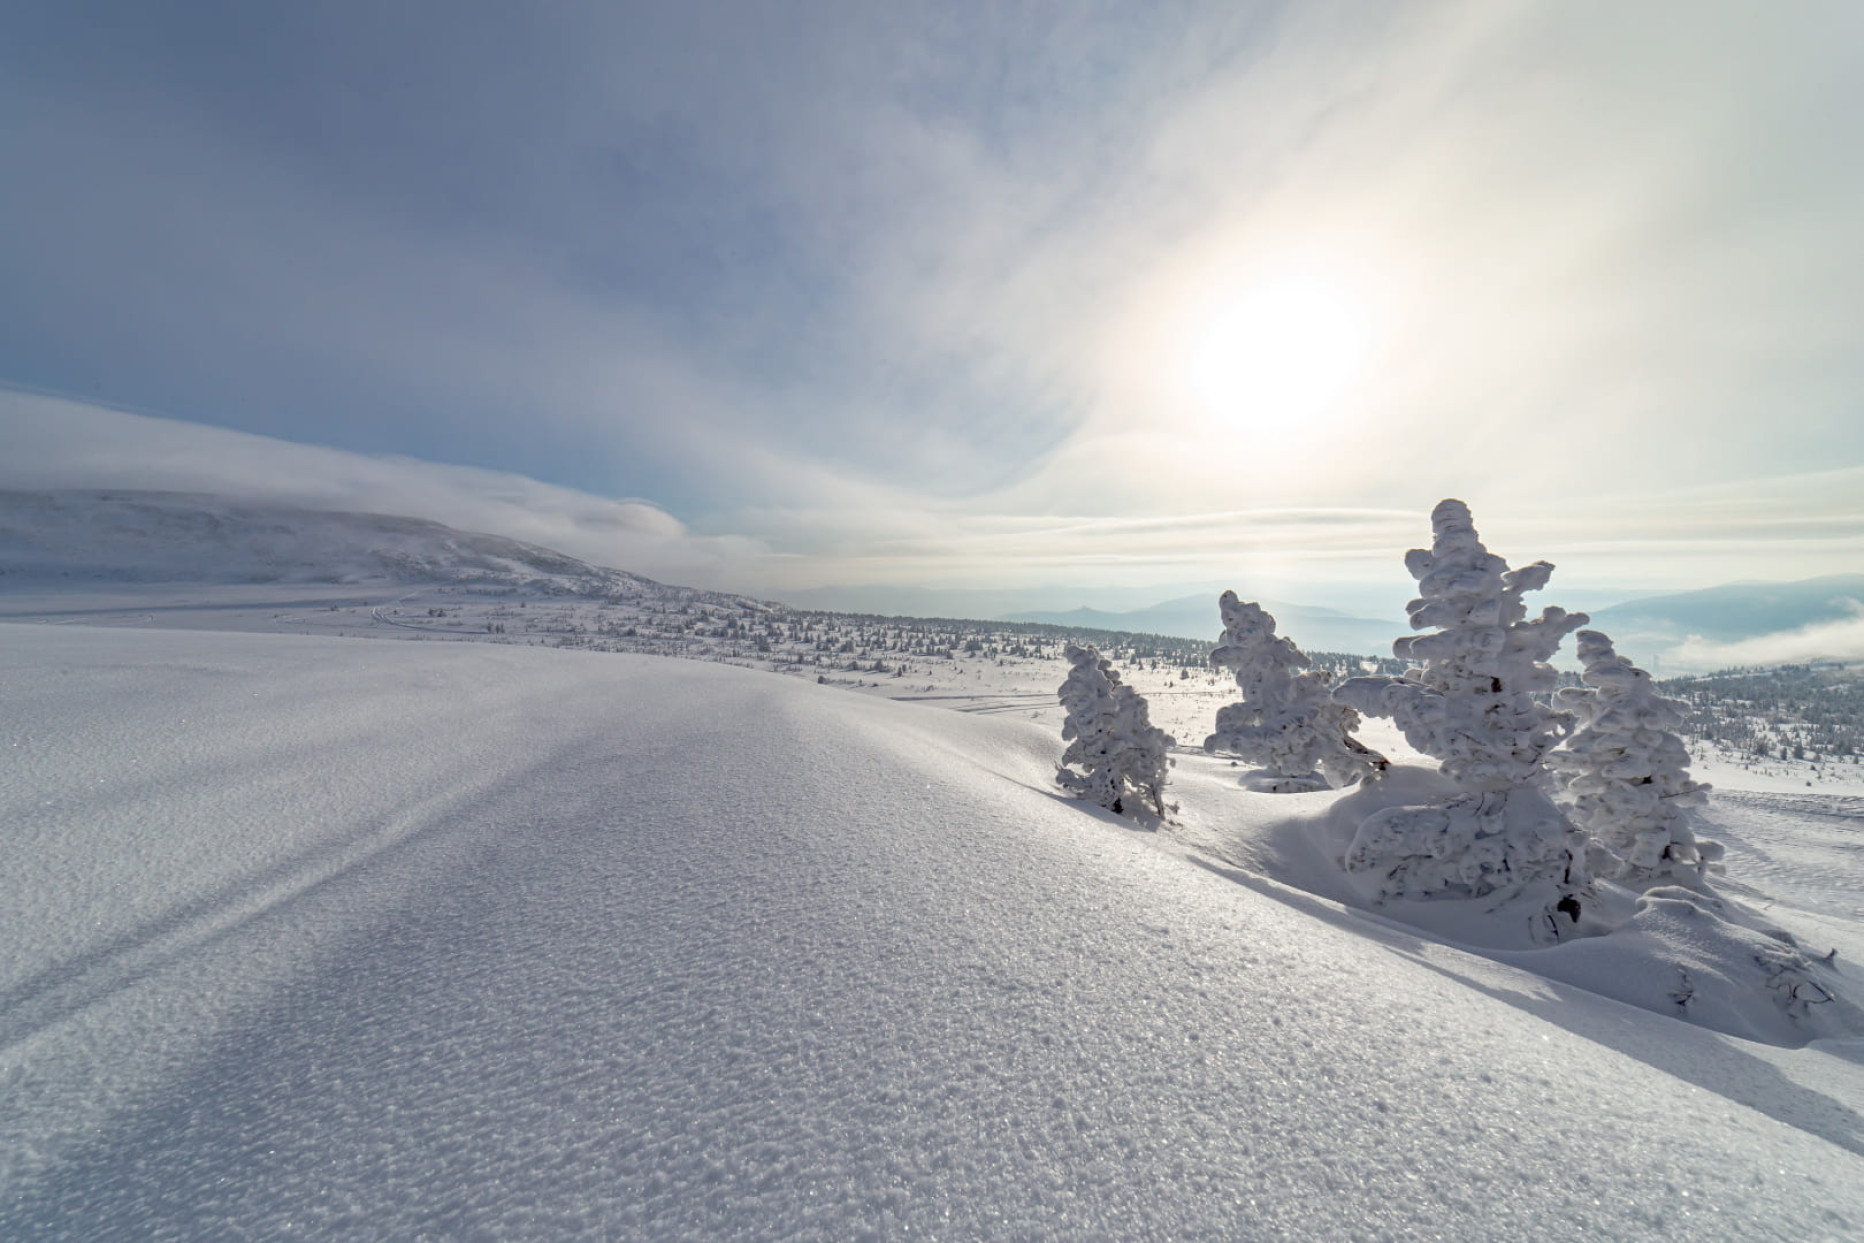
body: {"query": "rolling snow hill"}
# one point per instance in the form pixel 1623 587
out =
pixel 114 537
pixel 382 940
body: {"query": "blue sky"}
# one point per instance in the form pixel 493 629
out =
pixel 960 295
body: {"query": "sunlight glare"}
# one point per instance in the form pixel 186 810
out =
pixel 1279 355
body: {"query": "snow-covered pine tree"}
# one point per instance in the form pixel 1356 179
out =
pixel 1113 748
pixel 1287 721
pixel 1470 703
pixel 1624 777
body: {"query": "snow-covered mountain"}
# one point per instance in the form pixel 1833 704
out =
pixel 157 537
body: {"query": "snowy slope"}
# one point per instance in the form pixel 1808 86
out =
pixel 67 537
pixel 321 939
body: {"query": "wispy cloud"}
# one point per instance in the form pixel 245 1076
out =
pixel 876 293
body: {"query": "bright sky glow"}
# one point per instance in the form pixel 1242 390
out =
pixel 1278 356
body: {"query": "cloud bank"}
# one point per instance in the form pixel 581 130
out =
pixel 55 443
pixel 1833 640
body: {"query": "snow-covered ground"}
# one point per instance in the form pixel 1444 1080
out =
pixel 1840 778
pixel 316 938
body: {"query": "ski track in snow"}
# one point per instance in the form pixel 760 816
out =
pixel 321 939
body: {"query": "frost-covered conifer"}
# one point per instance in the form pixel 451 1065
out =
pixel 1624 777
pixel 1470 703
pixel 1287 721
pixel 1113 748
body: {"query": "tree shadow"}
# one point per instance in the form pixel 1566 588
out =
pixel 1696 1055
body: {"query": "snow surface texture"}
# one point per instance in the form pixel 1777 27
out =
pixel 1287 721
pixel 1470 703
pixel 1624 777
pixel 321 939
pixel 1114 753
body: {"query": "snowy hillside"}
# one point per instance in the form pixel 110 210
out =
pixel 153 537
pixel 369 940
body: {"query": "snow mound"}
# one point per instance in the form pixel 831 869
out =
pixel 1713 962
pixel 1688 953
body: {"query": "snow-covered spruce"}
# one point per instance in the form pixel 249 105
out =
pixel 1114 750
pixel 1470 703
pixel 1287 721
pixel 1624 777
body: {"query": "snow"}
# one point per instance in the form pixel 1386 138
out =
pixel 1624 775
pixel 1470 704
pixel 1113 752
pixel 1729 772
pixel 1287 721
pixel 318 938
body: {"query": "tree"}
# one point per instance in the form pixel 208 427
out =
pixel 1624 777
pixel 1287 721
pixel 1113 748
pixel 1469 701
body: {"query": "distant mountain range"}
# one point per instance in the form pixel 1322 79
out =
pixel 1736 610
pixel 1751 623
pixel 1196 617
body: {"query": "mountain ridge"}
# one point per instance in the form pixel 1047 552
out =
pixel 131 536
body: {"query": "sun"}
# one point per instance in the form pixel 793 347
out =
pixel 1279 354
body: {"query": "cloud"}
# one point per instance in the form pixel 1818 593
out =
pixel 960 259
pixel 56 443
pixel 869 294
pixel 1567 244
pixel 1832 640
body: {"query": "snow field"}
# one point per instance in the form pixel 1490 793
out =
pixel 379 941
pixel 984 683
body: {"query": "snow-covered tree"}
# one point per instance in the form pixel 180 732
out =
pixel 1113 748
pixel 1624 777
pixel 1469 701
pixel 1287 721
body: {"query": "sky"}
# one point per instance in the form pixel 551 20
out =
pixel 1095 300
